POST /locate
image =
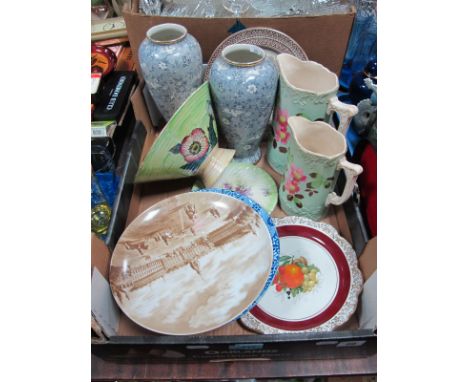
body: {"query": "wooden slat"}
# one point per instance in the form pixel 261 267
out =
pixel 110 371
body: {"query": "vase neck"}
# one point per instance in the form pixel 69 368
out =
pixel 166 34
pixel 242 55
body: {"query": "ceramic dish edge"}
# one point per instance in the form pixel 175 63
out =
pixel 350 305
pixel 271 226
pixel 198 185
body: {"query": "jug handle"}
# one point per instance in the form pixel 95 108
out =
pixel 345 111
pixel 351 171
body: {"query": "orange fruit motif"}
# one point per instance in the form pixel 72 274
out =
pixel 291 275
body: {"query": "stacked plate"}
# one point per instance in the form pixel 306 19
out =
pixel 194 262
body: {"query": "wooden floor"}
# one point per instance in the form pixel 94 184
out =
pixel 350 379
pixel 321 379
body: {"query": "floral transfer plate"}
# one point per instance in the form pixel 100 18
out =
pixel 317 284
pixel 249 180
pixel 273 41
pixel 193 262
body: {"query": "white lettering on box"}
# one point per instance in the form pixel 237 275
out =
pixel 116 93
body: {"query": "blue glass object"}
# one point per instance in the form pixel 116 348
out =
pixel 108 183
pixel 362 45
pixel 100 210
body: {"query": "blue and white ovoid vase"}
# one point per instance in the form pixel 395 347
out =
pixel 171 64
pixel 243 82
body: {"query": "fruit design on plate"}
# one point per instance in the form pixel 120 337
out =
pixel 295 276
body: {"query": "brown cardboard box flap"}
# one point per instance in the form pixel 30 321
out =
pixel 145 195
pixel 324 38
pixel 100 255
pixel 368 259
pixel 367 313
pixel 139 108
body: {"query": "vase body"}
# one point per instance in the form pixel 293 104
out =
pixel 308 89
pixel 172 66
pixel 243 81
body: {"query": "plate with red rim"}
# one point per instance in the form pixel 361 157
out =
pixel 317 284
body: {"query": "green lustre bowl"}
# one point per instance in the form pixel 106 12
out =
pixel 188 144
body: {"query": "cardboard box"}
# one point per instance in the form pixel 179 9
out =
pixel 324 38
pixel 133 344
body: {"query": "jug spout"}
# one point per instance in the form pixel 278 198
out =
pixel 307 76
pixel 316 139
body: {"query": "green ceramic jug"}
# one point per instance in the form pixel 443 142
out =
pixel 317 152
pixel 307 89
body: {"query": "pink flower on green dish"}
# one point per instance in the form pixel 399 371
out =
pixel 194 146
pixel 281 134
pixel 240 189
pixel 291 186
pixel 296 174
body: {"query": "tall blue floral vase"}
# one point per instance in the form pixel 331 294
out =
pixel 243 82
pixel 171 64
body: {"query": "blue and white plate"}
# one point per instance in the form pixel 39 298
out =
pixel 194 262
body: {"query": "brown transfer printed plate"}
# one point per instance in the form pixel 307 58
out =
pixel 191 263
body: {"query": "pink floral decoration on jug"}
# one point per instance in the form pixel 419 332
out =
pixel 282 117
pixel 296 173
pixel 294 176
pixel 281 131
pixel 291 186
pixel 281 134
